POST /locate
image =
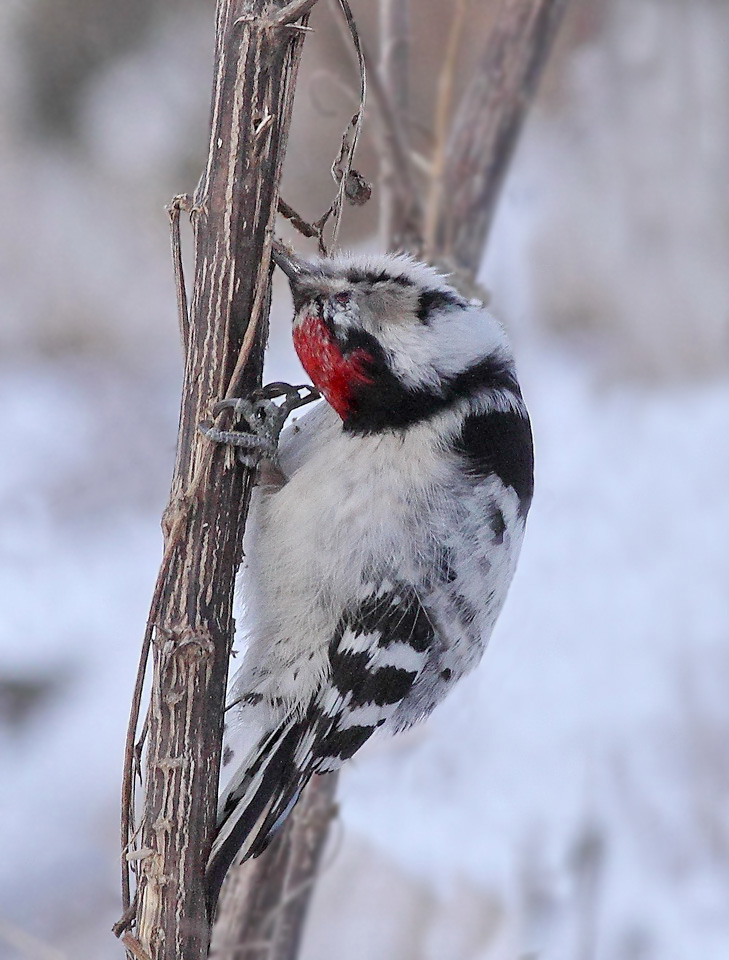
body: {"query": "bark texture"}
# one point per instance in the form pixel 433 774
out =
pixel 190 623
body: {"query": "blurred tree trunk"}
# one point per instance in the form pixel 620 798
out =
pixel 398 231
pixel 264 903
pixel 487 127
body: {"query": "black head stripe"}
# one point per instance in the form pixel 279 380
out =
pixel 432 300
pixel 372 277
pixel 390 405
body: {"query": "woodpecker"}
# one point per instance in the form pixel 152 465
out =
pixel 382 541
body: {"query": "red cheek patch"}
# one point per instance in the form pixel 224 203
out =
pixel 335 376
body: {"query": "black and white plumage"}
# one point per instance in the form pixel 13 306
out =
pixel 375 573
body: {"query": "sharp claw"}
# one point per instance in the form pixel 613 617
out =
pixel 242 406
pixel 239 405
pixel 263 417
pixel 292 393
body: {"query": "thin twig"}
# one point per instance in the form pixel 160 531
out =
pixel 125 920
pixel 182 201
pixel 292 12
pixel 127 798
pixel 391 136
pixel 305 228
pixel 350 184
pixel 135 947
pixel 343 162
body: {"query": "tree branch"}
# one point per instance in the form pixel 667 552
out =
pixel 179 203
pixel 397 206
pixel 293 11
pixel 394 142
pixel 190 623
pixel 443 108
pixel 488 125
pixel 264 902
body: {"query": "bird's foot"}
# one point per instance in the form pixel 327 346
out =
pixel 261 418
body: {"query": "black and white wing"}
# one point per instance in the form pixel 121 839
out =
pixel 379 649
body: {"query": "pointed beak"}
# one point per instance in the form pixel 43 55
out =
pixel 294 267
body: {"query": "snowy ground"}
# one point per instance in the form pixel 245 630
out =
pixel 574 790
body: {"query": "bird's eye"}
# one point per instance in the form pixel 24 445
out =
pixel 342 298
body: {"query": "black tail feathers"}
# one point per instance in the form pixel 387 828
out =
pixel 257 804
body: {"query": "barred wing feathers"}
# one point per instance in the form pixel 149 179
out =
pixel 378 651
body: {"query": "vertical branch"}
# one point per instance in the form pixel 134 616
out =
pixel 264 902
pixel 394 75
pixel 395 33
pixel 190 622
pixel 342 166
pixel 399 182
pixel 488 124
pixel 443 108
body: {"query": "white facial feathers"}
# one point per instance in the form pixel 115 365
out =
pixel 427 330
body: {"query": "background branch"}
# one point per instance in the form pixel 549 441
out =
pixel 488 124
pixel 264 902
pixel 442 123
pixel 399 224
pixel 393 142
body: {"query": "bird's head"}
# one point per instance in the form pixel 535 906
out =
pixel 386 340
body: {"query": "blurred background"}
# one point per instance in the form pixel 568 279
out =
pixel 571 800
